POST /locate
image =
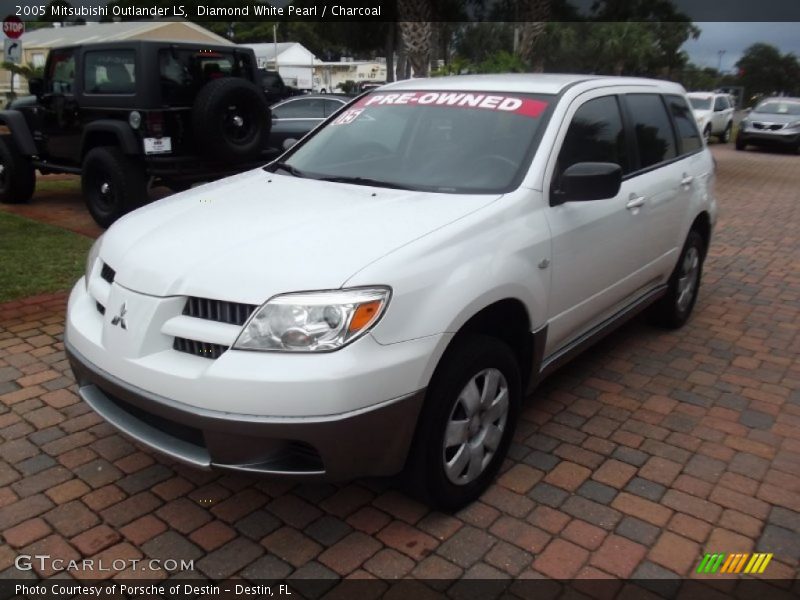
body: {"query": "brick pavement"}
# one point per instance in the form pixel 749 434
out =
pixel 646 452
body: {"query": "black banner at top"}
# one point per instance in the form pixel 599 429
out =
pixel 405 10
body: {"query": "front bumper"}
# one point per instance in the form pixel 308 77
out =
pixel 779 137
pixel 364 442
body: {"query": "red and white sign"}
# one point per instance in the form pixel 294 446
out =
pixel 500 103
pixel 13 27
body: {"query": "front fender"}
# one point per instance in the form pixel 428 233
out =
pixel 443 279
pixel 20 133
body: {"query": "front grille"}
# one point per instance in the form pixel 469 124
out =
pixel 233 313
pixel 204 349
pixel 768 126
pixel 107 273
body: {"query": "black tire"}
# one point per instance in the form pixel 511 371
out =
pixel 675 307
pixel 707 134
pixel 740 145
pixel 725 136
pixel 113 184
pixel 17 175
pixel 425 472
pixel 231 119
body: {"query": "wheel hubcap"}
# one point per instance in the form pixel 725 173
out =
pixel 475 427
pixel 687 280
pixel 105 188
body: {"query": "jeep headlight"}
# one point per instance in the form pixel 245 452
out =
pixel 91 258
pixel 313 321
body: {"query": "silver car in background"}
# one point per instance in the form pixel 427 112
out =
pixel 774 122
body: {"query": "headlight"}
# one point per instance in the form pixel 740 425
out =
pixel 744 123
pixel 313 321
pixel 792 125
pixel 91 258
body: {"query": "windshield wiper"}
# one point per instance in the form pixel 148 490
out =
pixel 288 168
pixel 368 181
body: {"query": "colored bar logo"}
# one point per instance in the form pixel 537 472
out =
pixel 734 563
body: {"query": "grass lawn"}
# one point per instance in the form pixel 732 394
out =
pixel 37 258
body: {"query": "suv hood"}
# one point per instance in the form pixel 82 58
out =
pixel 701 115
pixel 257 234
pixel 772 118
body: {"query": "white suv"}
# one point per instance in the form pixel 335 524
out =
pixel 714 114
pixel 383 297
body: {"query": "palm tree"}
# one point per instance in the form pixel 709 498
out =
pixel 414 22
pixel 533 15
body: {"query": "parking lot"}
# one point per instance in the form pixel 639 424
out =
pixel 648 451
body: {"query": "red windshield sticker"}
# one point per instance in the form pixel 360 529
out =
pixel 496 102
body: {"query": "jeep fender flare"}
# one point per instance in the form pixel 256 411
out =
pixel 125 137
pixel 15 121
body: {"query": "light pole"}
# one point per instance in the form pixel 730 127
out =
pixel 719 62
pixel 275 43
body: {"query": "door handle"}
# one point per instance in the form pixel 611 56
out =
pixel 634 202
pixel 687 180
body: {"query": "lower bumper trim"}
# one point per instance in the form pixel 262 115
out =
pixel 367 442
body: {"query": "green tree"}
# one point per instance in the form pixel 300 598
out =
pixel 764 70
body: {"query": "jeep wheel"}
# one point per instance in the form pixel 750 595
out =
pixel 740 144
pixel 707 134
pixel 674 309
pixel 113 184
pixel 17 175
pixel 466 424
pixel 231 119
pixel 725 136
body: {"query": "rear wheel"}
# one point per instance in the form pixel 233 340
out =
pixel 17 175
pixel 740 145
pixel 113 184
pixel 466 425
pixel 707 134
pixel 675 308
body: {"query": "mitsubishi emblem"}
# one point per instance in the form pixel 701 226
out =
pixel 120 318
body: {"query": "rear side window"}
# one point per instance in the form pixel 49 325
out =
pixel 595 134
pixel 688 134
pixel 655 139
pixel 720 103
pixel 109 72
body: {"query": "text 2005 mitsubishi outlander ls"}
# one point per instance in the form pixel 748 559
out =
pixel 381 298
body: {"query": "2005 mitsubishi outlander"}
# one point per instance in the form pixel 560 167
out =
pixel 381 298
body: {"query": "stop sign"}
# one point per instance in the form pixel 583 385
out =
pixel 13 26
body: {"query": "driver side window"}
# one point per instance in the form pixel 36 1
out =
pixel 595 134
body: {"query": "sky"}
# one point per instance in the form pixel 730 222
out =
pixel 734 38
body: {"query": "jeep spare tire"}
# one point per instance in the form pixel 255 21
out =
pixel 231 119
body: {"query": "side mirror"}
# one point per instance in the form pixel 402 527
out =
pixel 36 86
pixel 589 181
pixel 288 143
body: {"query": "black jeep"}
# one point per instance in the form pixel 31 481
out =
pixel 125 115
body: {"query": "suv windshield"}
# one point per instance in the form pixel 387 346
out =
pixel 778 107
pixel 461 142
pixel 184 71
pixel 700 103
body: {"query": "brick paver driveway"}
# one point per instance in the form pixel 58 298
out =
pixel 650 450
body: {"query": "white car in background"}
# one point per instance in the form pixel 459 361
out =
pixel 714 114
